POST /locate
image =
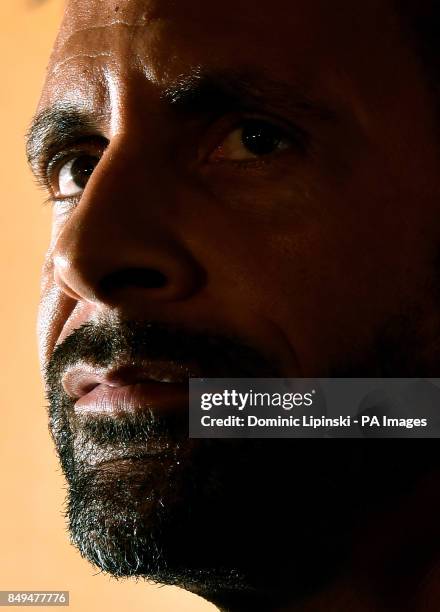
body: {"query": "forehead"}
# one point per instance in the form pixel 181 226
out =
pixel 211 24
pixel 103 44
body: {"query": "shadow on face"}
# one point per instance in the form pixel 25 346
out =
pixel 245 171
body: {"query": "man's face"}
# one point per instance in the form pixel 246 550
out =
pixel 238 188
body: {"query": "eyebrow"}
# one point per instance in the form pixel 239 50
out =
pixel 55 128
pixel 243 90
pixel 65 124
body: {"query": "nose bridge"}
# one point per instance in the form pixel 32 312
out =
pixel 121 236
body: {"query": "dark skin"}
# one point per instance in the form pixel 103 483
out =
pixel 308 251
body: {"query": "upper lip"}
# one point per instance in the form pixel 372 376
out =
pixel 81 378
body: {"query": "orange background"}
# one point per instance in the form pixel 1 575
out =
pixel 35 553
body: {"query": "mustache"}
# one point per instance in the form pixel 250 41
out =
pixel 103 343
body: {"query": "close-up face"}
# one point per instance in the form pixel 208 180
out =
pixel 273 178
pixel 238 189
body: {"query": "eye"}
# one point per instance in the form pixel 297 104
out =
pixel 252 140
pixel 74 175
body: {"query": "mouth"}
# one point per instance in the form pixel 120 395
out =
pixel 142 396
pixel 129 388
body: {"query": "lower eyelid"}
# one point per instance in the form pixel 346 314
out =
pixel 260 160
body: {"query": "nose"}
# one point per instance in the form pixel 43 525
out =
pixel 122 243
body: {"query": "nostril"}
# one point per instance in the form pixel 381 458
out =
pixel 145 278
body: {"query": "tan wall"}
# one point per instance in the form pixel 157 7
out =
pixel 34 549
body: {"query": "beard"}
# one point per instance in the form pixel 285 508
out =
pixel 258 519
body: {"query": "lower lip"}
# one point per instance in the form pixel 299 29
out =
pixel 138 397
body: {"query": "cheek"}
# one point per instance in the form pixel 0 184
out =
pixel 328 280
pixel 54 307
pixel 53 311
pixel 274 193
pixel 47 317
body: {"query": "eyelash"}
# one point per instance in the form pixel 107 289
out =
pixel 297 136
pixel 46 173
